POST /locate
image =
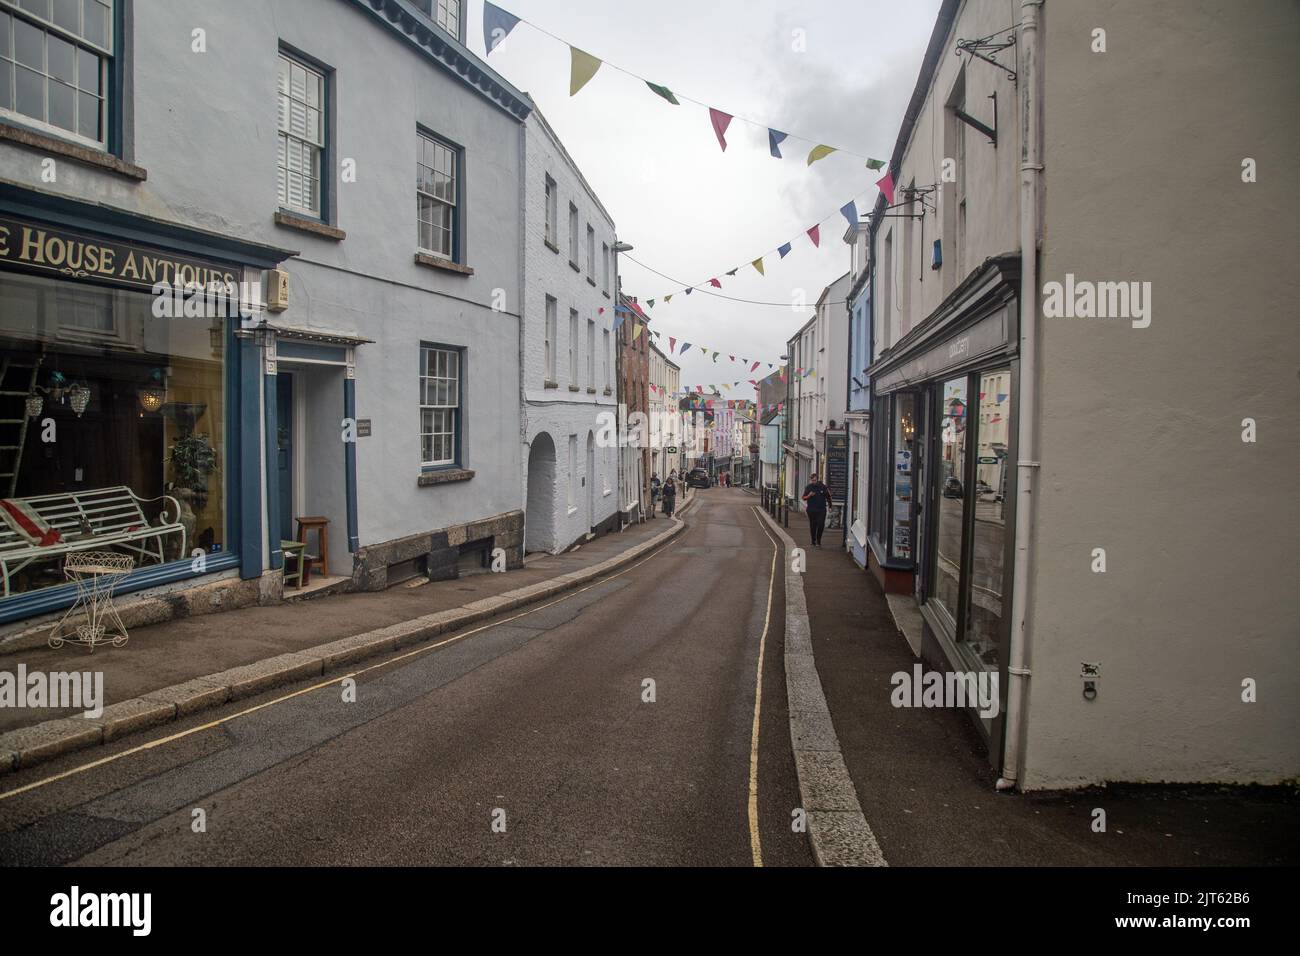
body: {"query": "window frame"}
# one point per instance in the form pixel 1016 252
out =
pixel 551 213
pixel 326 73
pixel 573 347
pixel 574 240
pixel 113 61
pixel 458 410
pixel 423 133
pixel 551 336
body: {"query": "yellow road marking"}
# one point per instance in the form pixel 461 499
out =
pixel 332 682
pixel 755 845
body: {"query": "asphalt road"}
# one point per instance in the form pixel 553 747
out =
pixel 538 723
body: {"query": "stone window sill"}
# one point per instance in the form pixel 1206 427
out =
pixel 574 388
pixel 303 224
pixel 552 246
pixel 446 265
pixel 443 477
pixel 573 511
pixel 608 392
pixel 574 266
pixel 591 282
pixel 591 391
pixel 61 147
pixel 549 384
pixel 605 294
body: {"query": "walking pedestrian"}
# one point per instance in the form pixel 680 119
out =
pixel 670 496
pixel 817 498
pixel 655 487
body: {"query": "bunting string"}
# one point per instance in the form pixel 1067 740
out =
pixel 498 22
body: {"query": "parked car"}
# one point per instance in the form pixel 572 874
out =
pixel 952 487
pixel 697 478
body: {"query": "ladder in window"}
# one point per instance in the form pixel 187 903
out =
pixel 13 419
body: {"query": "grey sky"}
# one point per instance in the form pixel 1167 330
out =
pixel 690 210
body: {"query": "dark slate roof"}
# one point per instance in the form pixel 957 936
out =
pixel 445 50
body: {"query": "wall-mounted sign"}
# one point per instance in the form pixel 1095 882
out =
pixel 58 253
pixel 363 428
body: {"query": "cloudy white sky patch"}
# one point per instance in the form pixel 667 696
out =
pixel 690 210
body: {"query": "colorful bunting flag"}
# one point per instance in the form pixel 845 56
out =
pixel 784 250
pixel 815 234
pixel 720 121
pixel 758 266
pixel 636 331
pixel 690 290
pixel 715 283
pixel 582 67
pixel 497 24
pixel 650 302
pixel 774 138
pixel 886 184
pixel 875 164
pixel 668 298
pixel 664 92
pixel 850 211
pixel 754 366
pixel 672 344
pixel 685 346
pixel 819 152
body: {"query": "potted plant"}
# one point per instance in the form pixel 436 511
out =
pixel 192 459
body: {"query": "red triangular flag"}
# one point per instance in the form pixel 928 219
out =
pixel 720 121
pixel 754 366
pixel 715 283
pixel 672 344
pixel 815 234
pixel 886 184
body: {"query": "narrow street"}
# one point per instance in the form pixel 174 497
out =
pixel 539 714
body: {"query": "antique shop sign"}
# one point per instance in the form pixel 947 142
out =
pixel 61 254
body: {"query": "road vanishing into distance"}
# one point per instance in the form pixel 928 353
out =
pixel 531 739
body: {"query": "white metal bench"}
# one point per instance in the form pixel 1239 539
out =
pixel 113 516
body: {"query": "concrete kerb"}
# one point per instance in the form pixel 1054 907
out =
pixel 837 827
pixel 39 743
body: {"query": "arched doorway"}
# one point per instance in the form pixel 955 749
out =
pixel 539 513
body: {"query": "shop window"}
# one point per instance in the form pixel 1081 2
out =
pixel 301 140
pixel 989 504
pixel 437 202
pixel 54 61
pixel 112 431
pixel 903 479
pixel 440 406
pixel 951 504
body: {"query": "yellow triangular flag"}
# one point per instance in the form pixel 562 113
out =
pixel 637 331
pixel 818 152
pixel 668 298
pixel 758 264
pixel 583 68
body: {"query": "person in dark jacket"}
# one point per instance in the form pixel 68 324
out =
pixel 817 499
pixel 669 494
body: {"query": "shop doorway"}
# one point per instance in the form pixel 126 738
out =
pixel 285 447
pixel 591 480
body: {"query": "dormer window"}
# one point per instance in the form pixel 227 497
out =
pixel 445 13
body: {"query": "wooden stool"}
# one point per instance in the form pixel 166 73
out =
pixel 298 551
pixel 322 528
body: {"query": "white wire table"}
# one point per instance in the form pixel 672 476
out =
pixel 88 621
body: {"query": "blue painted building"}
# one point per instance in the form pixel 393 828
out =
pixel 351 174
pixel 858 415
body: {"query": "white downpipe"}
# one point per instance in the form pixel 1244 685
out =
pixel 1031 170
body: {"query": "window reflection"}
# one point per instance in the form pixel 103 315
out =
pixel 952 498
pixel 984 616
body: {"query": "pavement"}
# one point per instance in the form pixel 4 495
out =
pixel 611 724
pixel 926 788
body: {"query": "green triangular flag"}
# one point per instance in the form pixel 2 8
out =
pixel 583 67
pixel 875 164
pixel 664 92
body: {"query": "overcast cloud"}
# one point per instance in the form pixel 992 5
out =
pixel 690 210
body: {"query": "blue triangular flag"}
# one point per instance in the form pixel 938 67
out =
pixel 850 211
pixel 497 24
pixel 784 250
pixel 774 138
pixel 685 346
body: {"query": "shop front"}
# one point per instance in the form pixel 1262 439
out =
pixel 942 475
pixel 129 411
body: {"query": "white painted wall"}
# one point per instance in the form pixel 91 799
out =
pixel 572 406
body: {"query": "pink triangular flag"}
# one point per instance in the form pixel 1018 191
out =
pixel 720 121
pixel 886 184
pixel 815 234
pixel 715 283
pixel 754 366
pixel 672 344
